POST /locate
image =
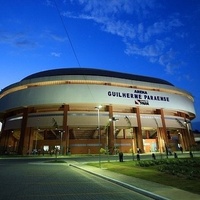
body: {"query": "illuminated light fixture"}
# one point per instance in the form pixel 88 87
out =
pixel 15 118
pixel 115 119
pixel 98 107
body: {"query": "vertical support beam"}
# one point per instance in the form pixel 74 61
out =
pixel 162 132
pixel 186 139
pixel 188 133
pixel 124 133
pixel 161 140
pixel 3 141
pixel 3 137
pixel 139 130
pixel 164 129
pixel 190 136
pixel 135 139
pixel 65 137
pixel 7 140
pixel 30 143
pixel 147 134
pixel 111 131
pixel 23 143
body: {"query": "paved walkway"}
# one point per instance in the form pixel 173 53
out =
pixel 150 189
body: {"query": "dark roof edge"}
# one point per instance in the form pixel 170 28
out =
pixel 96 72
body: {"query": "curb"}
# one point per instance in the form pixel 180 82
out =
pixel 128 186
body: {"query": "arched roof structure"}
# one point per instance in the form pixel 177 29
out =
pixel 96 72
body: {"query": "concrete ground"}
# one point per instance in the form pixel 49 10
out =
pixel 37 180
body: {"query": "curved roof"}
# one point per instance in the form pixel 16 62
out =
pixel 95 72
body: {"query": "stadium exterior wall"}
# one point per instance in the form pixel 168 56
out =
pixel 46 111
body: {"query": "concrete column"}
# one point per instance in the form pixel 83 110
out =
pixel 192 138
pixel 139 131
pixel 24 137
pixel 30 143
pixel 3 142
pixel 147 134
pixel 164 129
pixel 7 141
pixel 188 134
pixel 161 140
pixel 3 137
pixel 135 139
pixel 25 133
pixel 124 133
pixel 186 139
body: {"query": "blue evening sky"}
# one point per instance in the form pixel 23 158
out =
pixel 158 38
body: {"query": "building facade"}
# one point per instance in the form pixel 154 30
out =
pixel 84 111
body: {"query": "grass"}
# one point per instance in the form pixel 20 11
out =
pixel 180 173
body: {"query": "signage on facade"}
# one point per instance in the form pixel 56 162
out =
pixel 141 97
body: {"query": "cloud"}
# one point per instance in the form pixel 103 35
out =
pixel 55 54
pixel 48 34
pixel 57 38
pixel 49 3
pixel 188 77
pixel 165 58
pixel 156 53
pixel 19 39
pixel 113 7
pixel 108 15
pixel 143 34
pixel 170 62
pixel 25 43
pixel 149 50
pixel 115 27
pixel 119 28
pixel 157 29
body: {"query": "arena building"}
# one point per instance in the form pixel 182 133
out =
pixel 87 111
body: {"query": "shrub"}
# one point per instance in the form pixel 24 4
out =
pixel 187 168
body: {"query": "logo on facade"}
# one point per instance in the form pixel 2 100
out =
pixel 141 102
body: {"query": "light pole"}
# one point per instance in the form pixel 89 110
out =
pixel 114 127
pixel 35 151
pixel 132 144
pixel 99 132
pixel 61 134
pixel 129 123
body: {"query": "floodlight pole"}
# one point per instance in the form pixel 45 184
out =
pixel 114 127
pixel 35 141
pixel 99 132
pixel 61 135
pixel 132 144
